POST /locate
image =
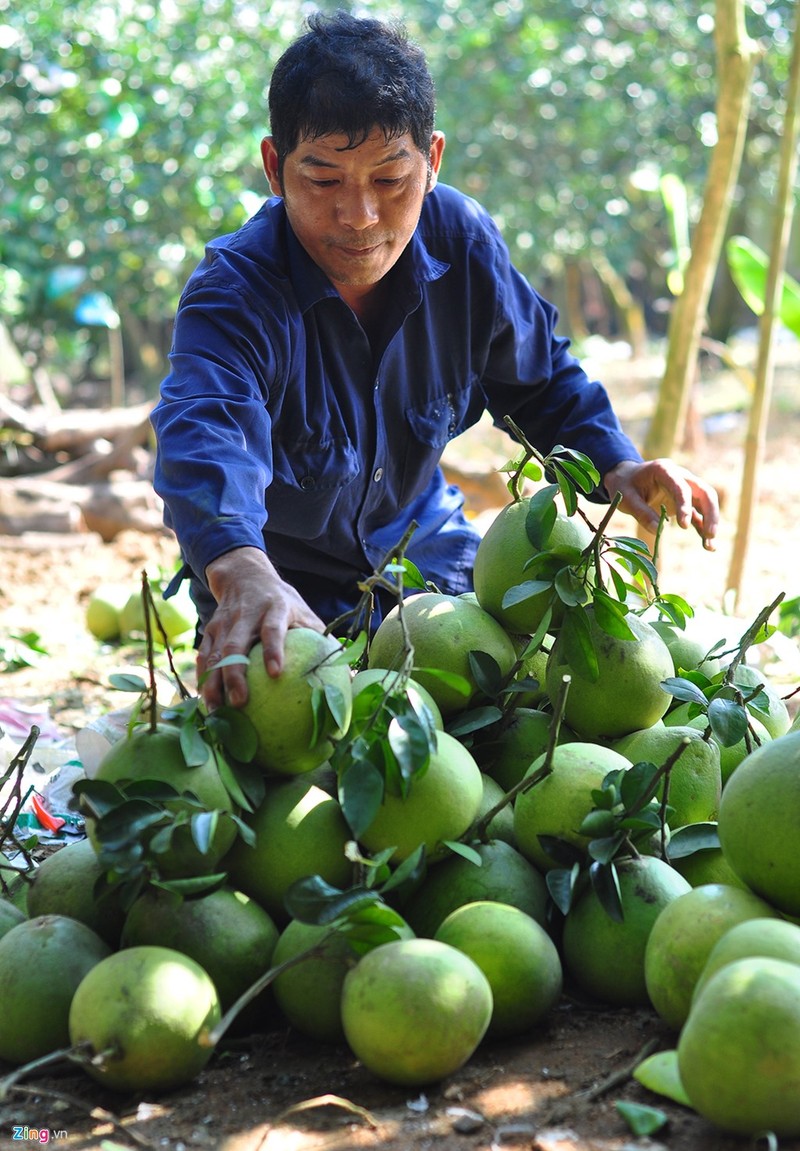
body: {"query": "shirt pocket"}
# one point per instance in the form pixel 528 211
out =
pixel 433 425
pixel 310 478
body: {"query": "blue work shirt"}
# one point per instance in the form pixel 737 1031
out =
pixel 282 427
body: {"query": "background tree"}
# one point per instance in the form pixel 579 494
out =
pixel 129 135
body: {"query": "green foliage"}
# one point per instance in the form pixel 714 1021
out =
pixel 129 137
pixel 18 650
pixel 749 267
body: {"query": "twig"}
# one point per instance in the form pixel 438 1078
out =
pixel 621 1075
pixel 90 1109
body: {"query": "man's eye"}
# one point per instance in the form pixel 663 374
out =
pixel 390 181
pixel 323 183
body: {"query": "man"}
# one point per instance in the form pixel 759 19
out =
pixel 326 352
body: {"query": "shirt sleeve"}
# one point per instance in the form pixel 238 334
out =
pixel 533 377
pixel 212 427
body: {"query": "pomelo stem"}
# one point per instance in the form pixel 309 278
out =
pixel 212 1038
pixel 479 828
pixel 26 1069
pixel 377 579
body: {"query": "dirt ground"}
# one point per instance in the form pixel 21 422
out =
pixel 556 1089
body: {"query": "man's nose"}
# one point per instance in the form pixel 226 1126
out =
pixel 358 207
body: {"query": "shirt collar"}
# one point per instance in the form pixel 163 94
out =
pixel 416 266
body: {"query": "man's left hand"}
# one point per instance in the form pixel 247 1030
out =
pixel 647 486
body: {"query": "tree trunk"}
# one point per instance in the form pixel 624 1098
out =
pixel 759 410
pixel 736 58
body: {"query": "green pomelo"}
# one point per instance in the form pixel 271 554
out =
pixel 230 935
pixel 508 754
pixel 503 875
pixel 42 962
pixel 739 1050
pixel 731 756
pixel 417 694
pixel 681 940
pixel 501 559
pixel 414 1011
pixel 767 706
pixel 516 955
pixel 10 916
pixel 64 884
pixel 688 652
pixel 157 755
pixel 534 668
pixel 443 630
pixel 707 865
pixel 309 993
pixel 442 804
pixel 177 616
pixel 558 804
pixel 769 938
pixel 151 1008
pixel 695 780
pixel 103 611
pixel 606 957
pixel 627 695
pixel 502 824
pixel 300 831
pixel 759 817
pixel 291 740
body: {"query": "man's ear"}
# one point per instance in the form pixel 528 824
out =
pixel 435 159
pixel 269 158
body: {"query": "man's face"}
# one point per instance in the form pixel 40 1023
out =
pixel 354 210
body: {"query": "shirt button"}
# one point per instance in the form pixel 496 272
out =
pixel 307 483
pixel 378 475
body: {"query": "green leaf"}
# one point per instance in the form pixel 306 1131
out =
pixel 464 850
pixel 582 479
pixel 195 749
pixel 636 783
pixel 579 649
pixel 338 704
pixel 231 783
pixel 541 516
pixel 457 683
pixel 313 900
pixel 683 689
pixel 486 672
pixel 605 849
pixel 659 1073
pixel 234 731
pixel 692 837
pixel 570 588
pixel 605 883
pixel 204 825
pixel 522 592
pixel 610 615
pixel 563 455
pixel 561 885
pixel 192 885
pixel 567 489
pixel 641 1119
pixel 728 720
pixel 474 720
pixel 564 852
pixel 749 267
pixel 361 789
pixel 409 873
pixel 127 681
pixel 410 746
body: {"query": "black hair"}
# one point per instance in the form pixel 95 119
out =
pixel 347 76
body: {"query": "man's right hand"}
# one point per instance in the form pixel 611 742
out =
pixel 253 603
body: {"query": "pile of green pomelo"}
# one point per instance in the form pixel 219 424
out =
pixel 421 846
